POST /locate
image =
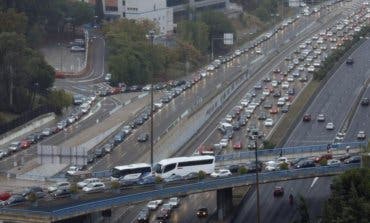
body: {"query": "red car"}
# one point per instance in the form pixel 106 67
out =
pixel 327 156
pixel 25 144
pixel 238 145
pixel 274 110
pixel 278 191
pixel 307 118
pixel 206 150
pixel 4 196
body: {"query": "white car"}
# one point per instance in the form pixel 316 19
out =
pixel 281 102
pixel 158 104
pixel 274 83
pixel 210 67
pixel 94 187
pixel 147 87
pixel 329 126
pixel 311 69
pixel 333 162
pixel 221 173
pixel 228 118
pixel 85 182
pixel 14 146
pixel 282 160
pixel 153 205
pixel 290 78
pixel 59 186
pixel 224 143
pixel 266 92
pixel 244 102
pixel 258 50
pixel 285 85
pixel 77 49
pixel 271 166
pixel 269 122
pixel 174 202
pixel 108 77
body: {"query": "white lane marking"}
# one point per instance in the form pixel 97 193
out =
pixel 127 102
pixel 142 95
pixel 93 111
pixel 314 181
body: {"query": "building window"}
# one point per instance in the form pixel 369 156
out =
pixel 123 2
pixel 124 15
pixel 111 8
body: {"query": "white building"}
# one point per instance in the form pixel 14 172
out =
pixel 295 3
pixel 154 10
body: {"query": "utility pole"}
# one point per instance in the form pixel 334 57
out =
pixel 257 180
pixel 11 86
pixel 151 37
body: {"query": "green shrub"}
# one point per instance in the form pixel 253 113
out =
pixel 323 162
pixel 158 179
pixel 242 170
pixel 201 175
pixel 283 166
pixel 115 185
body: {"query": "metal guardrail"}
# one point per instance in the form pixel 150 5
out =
pixel 267 152
pixel 201 186
pixel 289 151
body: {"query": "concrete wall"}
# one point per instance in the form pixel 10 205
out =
pixel 26 128
pixel 188 124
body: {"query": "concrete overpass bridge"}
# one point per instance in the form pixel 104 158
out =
pixel 84 209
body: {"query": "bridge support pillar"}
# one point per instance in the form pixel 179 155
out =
pixel 224 202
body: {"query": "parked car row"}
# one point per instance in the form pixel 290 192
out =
pixel 82 108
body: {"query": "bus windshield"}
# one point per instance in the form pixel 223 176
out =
pixel 157 168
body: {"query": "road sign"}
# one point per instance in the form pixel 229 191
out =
pixel 228 38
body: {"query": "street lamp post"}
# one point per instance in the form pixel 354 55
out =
pixel 257 180
pixel 151 37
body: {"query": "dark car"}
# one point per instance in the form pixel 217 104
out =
pixel 305 164
pixel 252 168
pixel 163 215
pixel 234 168
pixel 365 102
pixel 278 191
pixel 191 176
pixel 202 212
pixel 139 121
pixel 143 137
pixel 285 109
pixel 349 61
pixel 262 116
pixel 147 180
pixel 30 190
pixel 62 193
pixel 15 199
pixel 236 125
pixel 99 152
pixel 353 159
pixel 143 216
pixel 118 138
pixel 307 118
pixel 32 138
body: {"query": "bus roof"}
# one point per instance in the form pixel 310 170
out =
pixel 184 159
pixel 132 166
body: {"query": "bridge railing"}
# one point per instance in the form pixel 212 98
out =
pixel 161 191
pixel 338 147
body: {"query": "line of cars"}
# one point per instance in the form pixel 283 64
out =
pixel 163 210
pixel 33 138
pixel 282 85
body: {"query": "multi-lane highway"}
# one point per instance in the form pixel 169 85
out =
pixel 278 209
pixel 334 101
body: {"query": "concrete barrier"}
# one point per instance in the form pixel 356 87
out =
pixel 26 128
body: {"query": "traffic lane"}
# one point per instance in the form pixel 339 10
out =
pixel 189 205
pixel 23 156
pixel 278 209
pixel 334 100
pixel 360 121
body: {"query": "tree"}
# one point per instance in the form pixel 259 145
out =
pixel 195 33
pixel 218 24
pixel 11 21
pixel 99 11
pixel 303 210
pixel 350 198
pixel 59 99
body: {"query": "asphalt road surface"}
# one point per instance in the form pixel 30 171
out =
pixel 278 209
pixel 334 101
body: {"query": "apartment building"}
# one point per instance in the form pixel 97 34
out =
pixel 154 10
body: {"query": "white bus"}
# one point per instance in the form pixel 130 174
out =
pixel 184 165
pixel 133 169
